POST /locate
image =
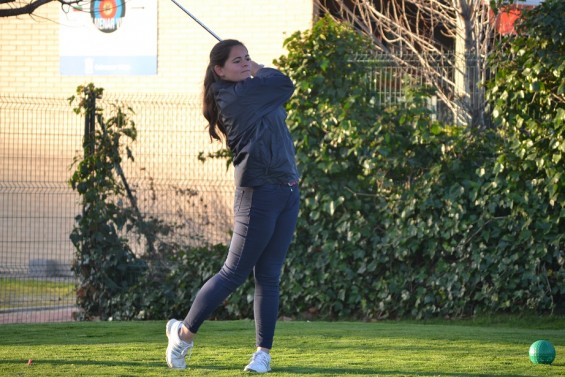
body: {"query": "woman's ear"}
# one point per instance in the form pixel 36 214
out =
pixel 219 70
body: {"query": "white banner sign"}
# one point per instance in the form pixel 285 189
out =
pixel 109 37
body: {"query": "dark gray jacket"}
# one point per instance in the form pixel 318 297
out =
pixel 255 120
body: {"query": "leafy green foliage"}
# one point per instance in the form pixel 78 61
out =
pixel 180 277
pixel 104 261
pixel 114 281
pixel 527 97
pixel 401 215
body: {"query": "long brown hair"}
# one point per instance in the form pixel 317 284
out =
pixel 218 56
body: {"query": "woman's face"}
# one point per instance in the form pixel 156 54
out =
pixel 237 67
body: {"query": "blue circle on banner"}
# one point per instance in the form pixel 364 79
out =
pixel 107 15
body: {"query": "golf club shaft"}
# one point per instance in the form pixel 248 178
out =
pixel 197 20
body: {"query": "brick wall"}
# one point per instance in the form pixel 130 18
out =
pixel 29 45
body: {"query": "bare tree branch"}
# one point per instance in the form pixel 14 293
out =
pixel 13 8
pixel 446 41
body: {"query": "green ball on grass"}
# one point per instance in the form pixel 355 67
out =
pixel 542 352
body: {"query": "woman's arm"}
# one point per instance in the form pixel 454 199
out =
pixel 268 87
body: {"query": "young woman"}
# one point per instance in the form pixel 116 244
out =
pixel 243 103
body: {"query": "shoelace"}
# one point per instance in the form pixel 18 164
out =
pixel 183 348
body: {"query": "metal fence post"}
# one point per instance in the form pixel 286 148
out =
pixel 89 123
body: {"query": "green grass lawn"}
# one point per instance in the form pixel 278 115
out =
pixel 28 293
pixel 438 348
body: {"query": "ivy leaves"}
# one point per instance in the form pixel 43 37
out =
pixel 405 216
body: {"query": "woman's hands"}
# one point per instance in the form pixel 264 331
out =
pixel 255 67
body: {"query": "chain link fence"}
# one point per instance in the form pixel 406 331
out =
pixel 39 140
pixel 388 80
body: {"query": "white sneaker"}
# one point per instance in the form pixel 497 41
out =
pixel 260 363
pixel 177 348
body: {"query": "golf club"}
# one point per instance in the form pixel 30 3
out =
pixel 197 20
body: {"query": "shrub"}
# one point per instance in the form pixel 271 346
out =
pixel 401 215
pixel 527 97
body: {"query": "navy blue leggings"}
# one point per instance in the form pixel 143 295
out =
pixel 265 220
